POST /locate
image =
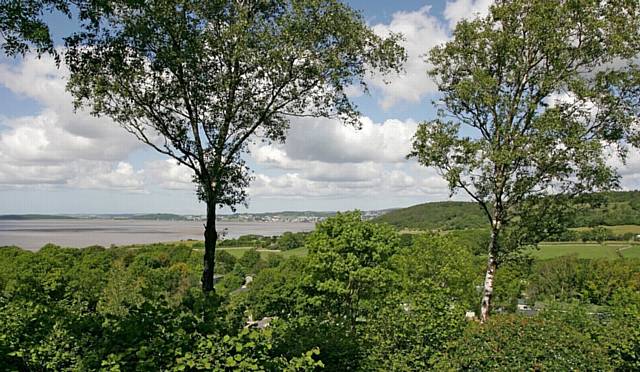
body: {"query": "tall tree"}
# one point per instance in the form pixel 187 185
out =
pixel 24 28
pixel 535 97
pixel 199 80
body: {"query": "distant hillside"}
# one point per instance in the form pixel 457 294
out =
pixel 157 216
pixel 439 215
pixel 620 208
pixel 34 217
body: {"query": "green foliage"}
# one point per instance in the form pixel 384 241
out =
pixel 436 260
pixel 531 103
pixel 231 281
pixel 348 265
pixel 615 208
pixel 590 281
pixel 408 331
pixel 436 216
pixel 249 261
pixel 511 282
pixel 225 262
pixel 600 234
pixel 339 347
pixel 290 240
pixel 250 240
pixel 284 242
pixel 475 240
pixel 607 209
pixel 247 351
pixel 622 334
pixel 23 28
pixel 277 292
pixel 611 250
pixel 498 82
pixel 515 343
pixel 358 301
pixel 123 308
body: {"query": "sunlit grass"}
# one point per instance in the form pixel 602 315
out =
pixel 610 250
pixel 618 229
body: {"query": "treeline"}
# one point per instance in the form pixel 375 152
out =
pixel 436 216
pixel 364 298
pixel 616 208
pixel 123 309
pixel 284 242
pixel 597 234
pixel 609 209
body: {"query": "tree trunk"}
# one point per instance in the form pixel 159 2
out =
pixel 492 266
pixel 210 241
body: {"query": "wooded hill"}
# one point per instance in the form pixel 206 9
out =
pixel 619 208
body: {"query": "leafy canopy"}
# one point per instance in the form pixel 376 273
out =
pixel 535 97
pixel 196 80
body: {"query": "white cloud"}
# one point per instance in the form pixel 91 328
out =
pixel 325 140
pixel 169 174
pixel 57 146
pixel 325 159
pixel 455 11
pixel 629 169
pixel 79 174
pixel 385 184
pixel 422 32
pixel 122 177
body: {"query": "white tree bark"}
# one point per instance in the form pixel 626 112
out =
pixel 492 265
pixel 487 292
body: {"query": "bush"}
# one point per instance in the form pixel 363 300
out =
pixel 225 262
pixel 590 281
pixel 516 343
pixel 290 240
pixel 408 331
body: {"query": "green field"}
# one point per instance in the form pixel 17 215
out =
pixel 611 250
pixel 618 230
pixel 590 250
pixel 237 252
pixel 295 252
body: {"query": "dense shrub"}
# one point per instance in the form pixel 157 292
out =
pixel 517 343
pixel 409 331
pixel 135 308
pixel 591 281
pixel 364 298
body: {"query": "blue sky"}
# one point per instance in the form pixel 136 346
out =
pixel 55 161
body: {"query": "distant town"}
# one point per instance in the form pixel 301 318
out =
pixel 286 216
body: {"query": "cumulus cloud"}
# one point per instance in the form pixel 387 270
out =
pixel 456 11
pixel 80 174
pixel 57 146
pixel 330 141
pixel 169 174
pixel 387 183
pixel 629 169
pixel 422 31
pixel 323 158
pixel 121 177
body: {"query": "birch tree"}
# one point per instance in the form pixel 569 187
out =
pixel 536 97
pixel 199 80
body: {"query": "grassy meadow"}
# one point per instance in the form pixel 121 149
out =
pixel 546 250
pixel 610 249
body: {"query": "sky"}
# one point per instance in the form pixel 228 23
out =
pixel 53 160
